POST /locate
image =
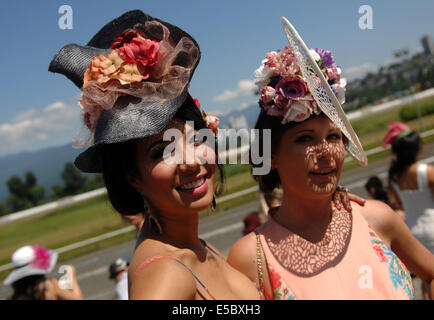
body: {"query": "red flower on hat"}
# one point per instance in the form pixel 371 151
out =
pixel 126 37
pixel 197 103
pixel 140 51
pixel 42 257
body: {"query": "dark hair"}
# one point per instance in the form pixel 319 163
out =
pixel 406 150
pixel 268 182
pixel 380 191
pixel 120 162
pixel 29 288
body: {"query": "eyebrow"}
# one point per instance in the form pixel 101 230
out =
pixel 153 144
pixel 313 131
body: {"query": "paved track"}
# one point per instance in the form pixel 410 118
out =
pixel 222 230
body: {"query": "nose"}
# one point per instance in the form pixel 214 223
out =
pixel 190 161
pixel 323 149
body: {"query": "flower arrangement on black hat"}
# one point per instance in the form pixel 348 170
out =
pixel 136 66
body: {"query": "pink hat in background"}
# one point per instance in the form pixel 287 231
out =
pixel 395 129
pixel 31 260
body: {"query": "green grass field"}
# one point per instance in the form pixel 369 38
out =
pixel 96 216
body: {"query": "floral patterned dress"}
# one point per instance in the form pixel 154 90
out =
pixel 363 267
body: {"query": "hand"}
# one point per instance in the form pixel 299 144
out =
pixel 342 198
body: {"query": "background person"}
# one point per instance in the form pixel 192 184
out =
pixel 29 281
pixel 118 271
pixel 374 187
pixel 411 184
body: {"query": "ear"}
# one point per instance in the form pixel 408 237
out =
pixel 136 183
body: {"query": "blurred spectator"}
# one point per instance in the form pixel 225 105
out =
pixel 375 189
pixel 252 221
pixel 119 273
pixel 411 184
pixel 28 279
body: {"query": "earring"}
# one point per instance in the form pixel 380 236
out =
pixel 213 203
pixel 153 221
pixel 155 225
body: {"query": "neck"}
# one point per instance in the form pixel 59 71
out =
pixel 307 217
pixel 178 230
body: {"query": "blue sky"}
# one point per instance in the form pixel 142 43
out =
pixel 39 109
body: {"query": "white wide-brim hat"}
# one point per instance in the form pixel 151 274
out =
pixel 31 260
pixel 322 93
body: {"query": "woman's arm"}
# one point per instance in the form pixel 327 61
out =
pixel 430 175
pixel 243 257
pixel 72 292
pixel 393 230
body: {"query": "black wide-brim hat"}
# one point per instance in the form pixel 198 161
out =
pixel 130 117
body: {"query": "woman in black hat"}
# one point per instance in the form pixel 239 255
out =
pixel 134 75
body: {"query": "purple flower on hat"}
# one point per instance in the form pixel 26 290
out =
pixel 42 257
pixel 292 88
pixel 326 57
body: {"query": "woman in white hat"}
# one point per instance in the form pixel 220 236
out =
pixel 29 281
pixel 309 248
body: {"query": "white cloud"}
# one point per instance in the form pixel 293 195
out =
pixel 244 88
pixel 359 71
pixel 244 106
pixel 35 126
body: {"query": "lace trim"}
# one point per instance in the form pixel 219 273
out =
pixel 304 258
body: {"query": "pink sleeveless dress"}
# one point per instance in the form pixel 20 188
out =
pixel 363 267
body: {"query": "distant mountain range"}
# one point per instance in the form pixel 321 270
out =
pixel 48 163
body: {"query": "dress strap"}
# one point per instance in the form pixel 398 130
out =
pixel 422 176
pixel 181 263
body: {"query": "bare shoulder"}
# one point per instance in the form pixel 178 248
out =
pixel 161 278
pixel 242 255
pixel 380 217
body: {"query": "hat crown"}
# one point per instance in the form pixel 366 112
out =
pixel 23 256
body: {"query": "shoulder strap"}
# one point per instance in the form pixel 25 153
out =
pixel 422 176
pixel 261 266
pixel 181 263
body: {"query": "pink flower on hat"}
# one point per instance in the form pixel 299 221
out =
pixel 212 122
pixel 140 51
pixel 395 128
pixel 42 257
pixel 267 95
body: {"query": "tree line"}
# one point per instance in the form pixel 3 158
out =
pixel 26 193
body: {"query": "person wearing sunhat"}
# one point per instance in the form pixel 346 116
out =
pixel 118 271
pixel 134 75
pixel 309 248
pixel 28 279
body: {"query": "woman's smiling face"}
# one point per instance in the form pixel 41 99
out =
pixel 173 187
pixel 310 156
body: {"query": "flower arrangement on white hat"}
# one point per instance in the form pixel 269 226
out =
pixel 283 89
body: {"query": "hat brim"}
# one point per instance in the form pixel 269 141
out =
pixel 30 270
pixel 322 93
pixel 144 119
